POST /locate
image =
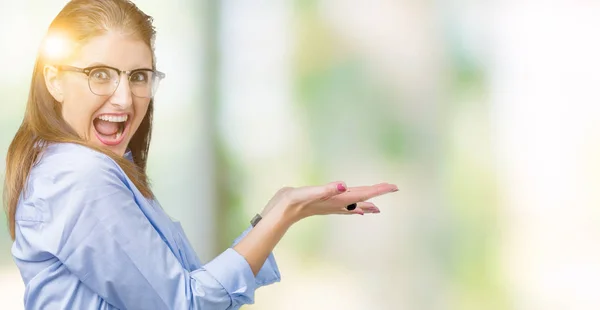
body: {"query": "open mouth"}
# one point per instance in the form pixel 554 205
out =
pixel 111 129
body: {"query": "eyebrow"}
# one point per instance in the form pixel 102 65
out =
pixel 99 64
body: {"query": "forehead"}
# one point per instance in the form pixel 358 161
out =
pixel 115 49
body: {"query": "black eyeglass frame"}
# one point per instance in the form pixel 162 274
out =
pixel 128 73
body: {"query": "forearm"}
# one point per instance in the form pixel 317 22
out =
pixel 256 246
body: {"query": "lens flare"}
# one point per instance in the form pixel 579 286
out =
pixel 56 46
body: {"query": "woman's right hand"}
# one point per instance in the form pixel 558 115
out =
pixel 294 204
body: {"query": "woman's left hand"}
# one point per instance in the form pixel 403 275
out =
pixel 290 205
pixel 323 199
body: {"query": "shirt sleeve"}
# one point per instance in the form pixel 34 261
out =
pixel 269 273
pixel 95 227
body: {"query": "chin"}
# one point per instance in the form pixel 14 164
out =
pixel 112 132
pixel 117 149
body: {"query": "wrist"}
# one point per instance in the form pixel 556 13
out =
pixel 279 218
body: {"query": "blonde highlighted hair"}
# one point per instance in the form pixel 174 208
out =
pixel 79 21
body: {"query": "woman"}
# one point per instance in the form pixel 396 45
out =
pixel 88 232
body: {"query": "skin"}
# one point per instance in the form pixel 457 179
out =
pixel 288 206
pixel 80 106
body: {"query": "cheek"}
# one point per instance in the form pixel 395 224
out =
pixel 77 110
pixel 141 108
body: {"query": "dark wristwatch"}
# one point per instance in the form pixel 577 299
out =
pixel 255 220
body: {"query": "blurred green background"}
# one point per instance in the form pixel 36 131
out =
pixel 457 102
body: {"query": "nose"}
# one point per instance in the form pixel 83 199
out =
pixel 122 95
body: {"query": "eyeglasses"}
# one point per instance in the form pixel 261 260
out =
pixel 104 80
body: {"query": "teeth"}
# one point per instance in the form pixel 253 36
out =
pixel 118 135
pixel 113 119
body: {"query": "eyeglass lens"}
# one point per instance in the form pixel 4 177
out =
pixel 104 82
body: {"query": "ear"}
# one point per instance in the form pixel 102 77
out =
pixel 53 82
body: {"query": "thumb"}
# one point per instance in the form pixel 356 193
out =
pixel 323 192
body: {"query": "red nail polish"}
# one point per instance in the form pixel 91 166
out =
pixel 341 187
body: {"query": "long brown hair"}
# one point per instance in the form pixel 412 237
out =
pixel 43 124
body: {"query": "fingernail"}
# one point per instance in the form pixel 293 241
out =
pixel 341 187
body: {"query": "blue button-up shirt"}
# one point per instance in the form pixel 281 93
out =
pixel 86 238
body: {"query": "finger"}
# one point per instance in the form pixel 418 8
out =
pixel 368 207
pixel 362 208
pixel 361 188
pixel 384 187
pixel 374 191
pixel 362 195
pixel 311 194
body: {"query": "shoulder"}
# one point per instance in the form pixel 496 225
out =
pixel 67 192
pixel 69 177
pixel 75 163
pixel 69 154
pixel 66 171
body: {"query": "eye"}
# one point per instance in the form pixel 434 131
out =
pixel 140 77
pixel 100 75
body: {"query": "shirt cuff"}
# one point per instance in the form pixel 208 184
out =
pixel 269 272
pixel 233 272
